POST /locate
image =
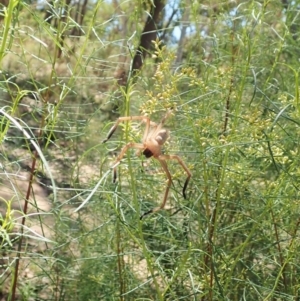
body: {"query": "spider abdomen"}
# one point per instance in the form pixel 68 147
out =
pixel 162 136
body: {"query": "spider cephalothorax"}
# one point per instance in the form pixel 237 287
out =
pixel 154 138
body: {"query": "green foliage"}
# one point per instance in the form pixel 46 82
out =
pixel 234 96
pixel 6 224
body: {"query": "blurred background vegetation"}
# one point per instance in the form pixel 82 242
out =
pixel 229 70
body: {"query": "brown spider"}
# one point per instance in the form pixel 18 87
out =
pixel 154 138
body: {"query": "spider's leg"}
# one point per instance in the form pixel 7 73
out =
pixel 147 121
pixel 165 167
pixel 111 131
pixel 129 118
pixel 121 155
pixel 179 160
pixel 165 117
